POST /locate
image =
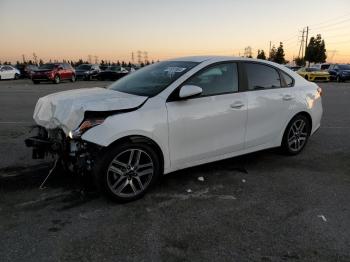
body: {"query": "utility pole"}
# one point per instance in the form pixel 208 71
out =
pixel 307 36
pixel 301 45
pixel 270 51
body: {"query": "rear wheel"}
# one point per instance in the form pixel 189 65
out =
pixel 296 135
pixel 127 171
pixel 57 79
pixel 16 76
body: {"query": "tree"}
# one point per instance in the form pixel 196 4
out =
pixel 261 55
pixel 278 55
pixel 316 50
pixel 272 54
pixel 41 62
pixel 299 61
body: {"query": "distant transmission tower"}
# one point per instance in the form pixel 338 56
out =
pixel 139 57
pixel 132 58
pixel 145 56
pixel 248 51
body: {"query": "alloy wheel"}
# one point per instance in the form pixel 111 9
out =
pixel 297 135
pixel 130 173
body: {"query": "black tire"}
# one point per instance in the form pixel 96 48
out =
pixel 57 79
pixel 16 76
pixel 104 177
pixel 36 82
pixel 338 79
pixel 73 79
pixel 293 145
pixel 307 78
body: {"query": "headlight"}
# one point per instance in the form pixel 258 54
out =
pixel 87 124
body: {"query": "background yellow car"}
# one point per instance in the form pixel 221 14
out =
pixel 313 74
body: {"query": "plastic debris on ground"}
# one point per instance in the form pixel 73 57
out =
pixel 243 180
pixel 201 178
pixel 323 218
pixel 189 191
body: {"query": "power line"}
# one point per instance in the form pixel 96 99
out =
pixel 329 20
pixel 332 24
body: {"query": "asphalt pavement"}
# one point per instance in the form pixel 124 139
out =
pixel 259 207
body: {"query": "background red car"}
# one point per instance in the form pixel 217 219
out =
pixel 55 72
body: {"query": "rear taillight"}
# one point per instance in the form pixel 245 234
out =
pixel 319 90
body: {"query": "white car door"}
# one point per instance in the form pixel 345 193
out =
pixel 212 124
pixel 270 104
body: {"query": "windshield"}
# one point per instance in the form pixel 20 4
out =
pixel 48 66
pixel 344 67
pixel 312 69
pixel 152 79
pixel 84 67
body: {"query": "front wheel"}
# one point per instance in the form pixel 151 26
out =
pixel 338 79
pixel 296 135
pixel 16 77
pixel 57 79
pixel 127 171
pixel 73 79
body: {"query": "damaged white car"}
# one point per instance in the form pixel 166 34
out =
pixel 176 114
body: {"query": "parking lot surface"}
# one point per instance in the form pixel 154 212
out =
pixel 259 207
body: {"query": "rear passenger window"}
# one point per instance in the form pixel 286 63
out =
pixel 217 79
pixel 287 79
pixel 262 77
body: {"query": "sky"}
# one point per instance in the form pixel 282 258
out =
pixel 113 29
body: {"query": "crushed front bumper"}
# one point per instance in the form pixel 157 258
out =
pixel 76 154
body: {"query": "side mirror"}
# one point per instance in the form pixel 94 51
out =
pixel 188 91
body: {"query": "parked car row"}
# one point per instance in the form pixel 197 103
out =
pixel 325 72
pixel 57 72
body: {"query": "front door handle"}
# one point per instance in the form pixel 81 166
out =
pixel 237 105
pixel 287 97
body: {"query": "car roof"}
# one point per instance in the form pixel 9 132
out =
pixel 215 59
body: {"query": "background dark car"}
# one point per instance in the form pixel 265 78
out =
pixel 294 68
pixel 339 72
pixel 26 70
pixel 87 71
pixel 112 73
pixel 55 72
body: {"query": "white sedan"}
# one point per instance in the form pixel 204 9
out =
pixel 173 115
pixel 9 72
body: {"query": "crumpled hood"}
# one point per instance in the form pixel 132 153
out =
pixel 66 109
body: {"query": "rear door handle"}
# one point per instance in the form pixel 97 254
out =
pixel 237 105
pixel 287 97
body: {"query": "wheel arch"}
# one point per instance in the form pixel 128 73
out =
pixel 304 113
pixel 141 139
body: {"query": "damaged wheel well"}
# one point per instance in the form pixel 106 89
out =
pixel 141 139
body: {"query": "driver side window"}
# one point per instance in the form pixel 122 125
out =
pixel 217 79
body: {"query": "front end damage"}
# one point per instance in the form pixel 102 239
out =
pixel 75 155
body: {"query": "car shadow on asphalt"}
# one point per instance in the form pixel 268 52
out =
pixel 77 190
